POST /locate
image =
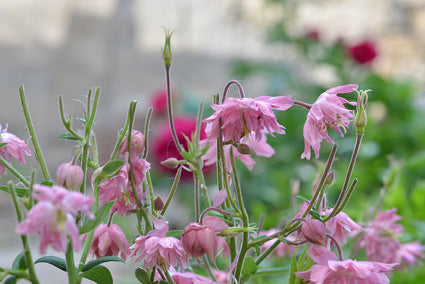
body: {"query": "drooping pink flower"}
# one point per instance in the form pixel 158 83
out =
pixel 410 253
pixel 341 224
pixel 109 241
pixel 282 249
pixel 329 270
pixel 163 144
pixel 137 144
pixel 155 248
pixel 241 116
pixel 314 231
pixel 70 175
pixel 14 147
pixel 259 147
pixel 327 111
pixel 119 187
pixel 188 278
pixel 363 53
pixel 199 239
pixel 53 217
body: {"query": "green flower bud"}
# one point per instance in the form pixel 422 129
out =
pixel 166 53
pixel 244 149
pixel 361 116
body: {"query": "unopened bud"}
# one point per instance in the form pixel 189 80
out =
pixel 70 176
pixel 330 178
pixel 137 143
pixel 314 231
pixel 158 203
pixel 361 116
pixel 170 163
pixel 244 149
pixel 166 53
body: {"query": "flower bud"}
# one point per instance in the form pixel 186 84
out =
pixel 137 143
pixel 170 163
pixel 166 53
pixel 314 231
pixel 158 203
pixel 330 178
pixel 361 116
pixel 70 176
pixel 244 149
pixel 199 239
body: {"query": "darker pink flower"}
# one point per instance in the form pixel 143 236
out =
pixel 109 241
pixel 327 111
pixel 137 144
pixel 70 176
pixel 314 231
pixel 157 249
pixel 14 147
pixel 159 101
pixel 199 239
pixel 53 217
pixel 241 116
pixel 363 53
pixel 329 270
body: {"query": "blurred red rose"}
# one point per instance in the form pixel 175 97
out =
pixel 363 52
pixel 159 101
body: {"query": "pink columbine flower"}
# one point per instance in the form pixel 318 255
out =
pixel 327 111
pixel 137 144
pixel 259 147
pixel 109 241
pixel 70 175
pixel 119 187
pixel 53 217
pixel 341 224
pixel 241 116
pixel 314 231
pixel 329 270
pixel 14 147
pixel 199 239
pixel 157 249
pixel 188 278
pixel 408 254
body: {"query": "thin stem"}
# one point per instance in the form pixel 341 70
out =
pixel 347 176
pixel 302 104
pixel 245 221
pixel 201 219
pixel 226 88
pixel 17 273
pixel 146 132
pixel 68 123
pixel 70 265
pixel 172 191
pixel 14 172
pixel 268 251
pixel 31 129
pixel 167 275
pixel 148 181
pixel 170 111
pixel 30 197
pixel 347 196
pixel 338 247
pixel 196 196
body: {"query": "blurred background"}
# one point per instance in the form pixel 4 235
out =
pixel 273 47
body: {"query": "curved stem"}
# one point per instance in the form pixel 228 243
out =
pixel 67 123
pixel 341 258
pixel 33 135
pixel 146 132
pixel 173 190
pixel 201 219
pixel 226 88
pixel 302 104
pixel 14 172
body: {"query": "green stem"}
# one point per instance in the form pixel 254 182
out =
pixel 24 238
pixel 33 135
pixel 70 264
pixel 245 221
pixel 347 177
pixel 68 123
pixel 268 251
pixel 196 196
pixel 17 273
pixel 14 172
pixel 173 190
pixel 167 275
pixel 148 181
pixel 146 132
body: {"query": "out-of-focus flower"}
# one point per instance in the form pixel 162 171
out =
pixel 241 116
pixel 408 254
pixel 70 175
pixel 259 147
pixel 14 147
pixel 137 144
pixel 159 101
pixel 163 144
pixel 313 34
pixel 327 111
pixel 199 239
pixel 282 250
pixel 363 53
pixel 189 278
pixel 119 187
pixel 53 217
pixel 157 249
pixel 109 241
pixel 341 224
pixel 329 270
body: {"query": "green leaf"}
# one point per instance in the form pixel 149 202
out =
pixel 249 268
pixel 11 280
pixel 2 144
pixel 47 183
pixel 20 262
pixel 53 260
pixel 100 260
pixel 142 276
pixel 99 274
pixel 272 271
pixel 292 269
pixel 67 136
pixel 174 233
pixel 110 169
pixel 204 150
pixel 21 192
pixel 315 215
pixel 100 216
pixel 186 156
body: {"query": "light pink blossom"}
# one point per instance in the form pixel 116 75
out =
pixel 409 254
pixel 155 248
pixel 137 144
pixel 14 147
pixel 109 241
pixel 327 111
pixel 329 270
pixel 53 217
pixel 341 224
pixel 199 239
pixel 188 278
pixel 259 147
pixel 241 116
pixel 70 175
